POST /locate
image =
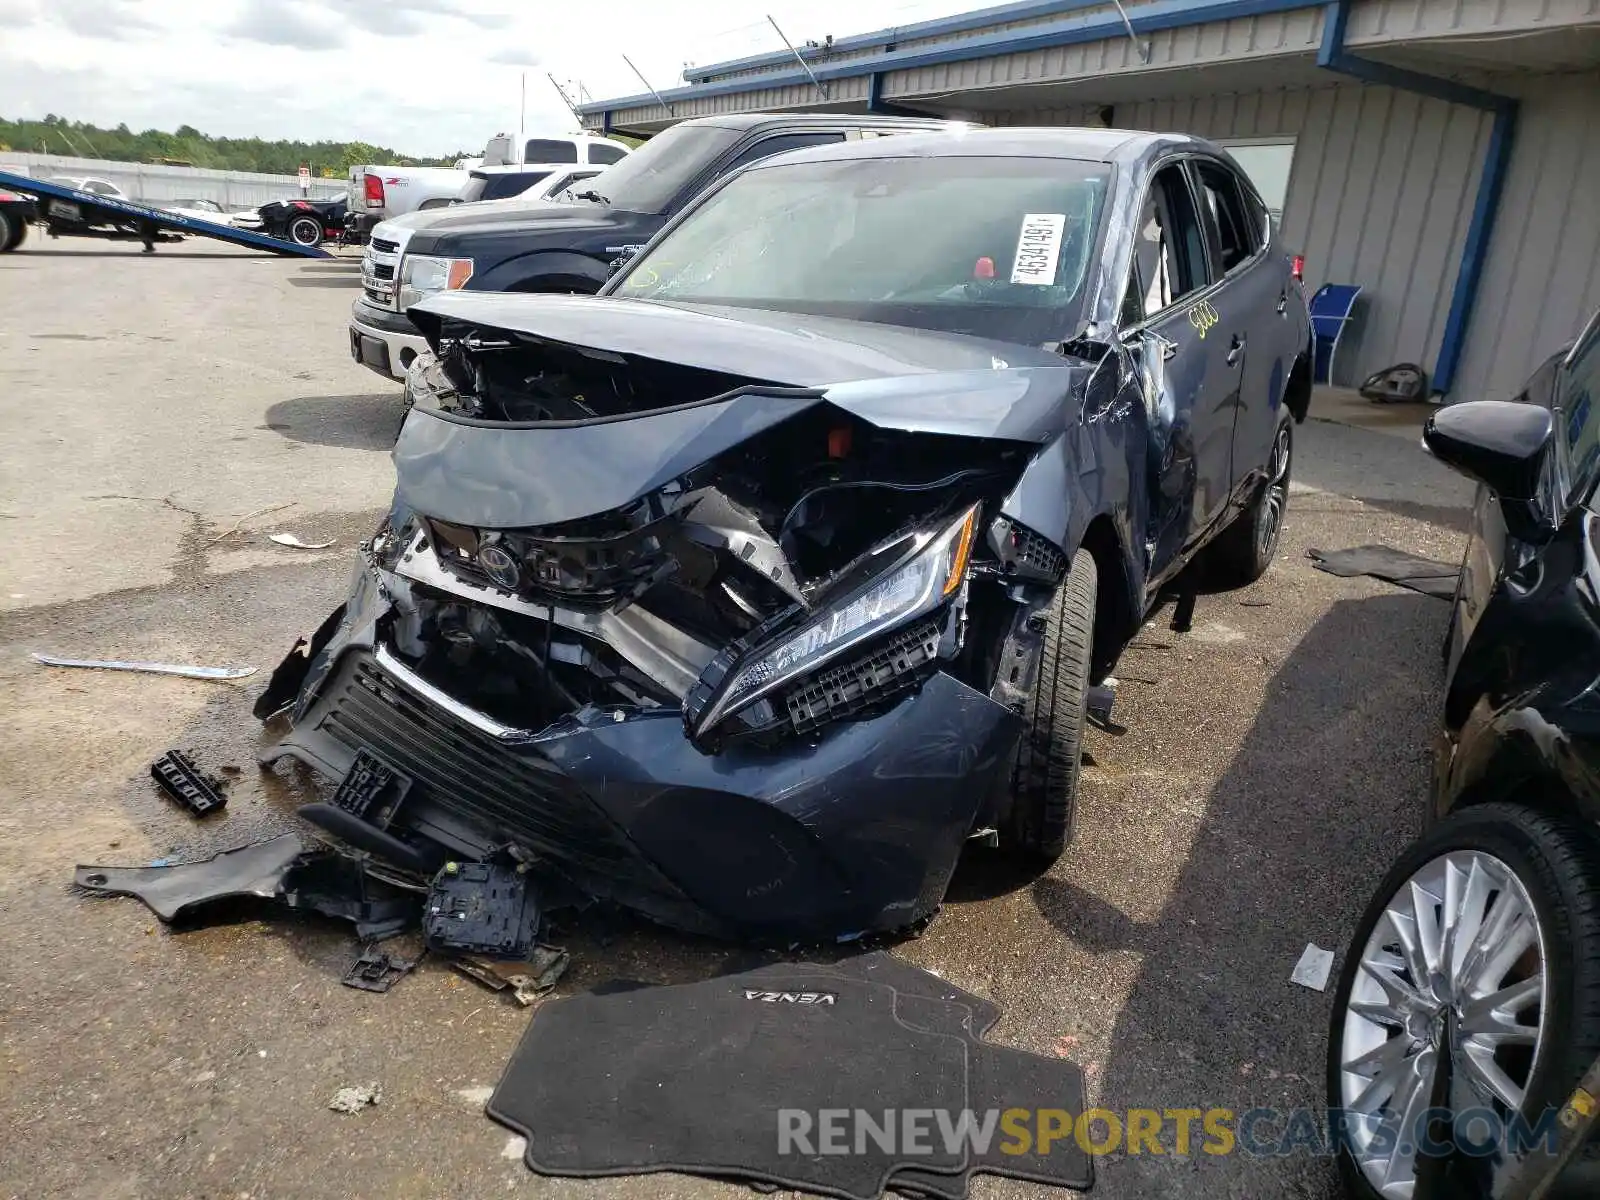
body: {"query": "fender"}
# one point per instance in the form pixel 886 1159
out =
pixel 543 270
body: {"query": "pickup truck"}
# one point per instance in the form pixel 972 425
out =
pixel 387 192
pixel 569 246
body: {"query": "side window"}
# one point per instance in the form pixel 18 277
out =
pixel 1236 233
pixel 767 147
pixel 1169 258
pixel 601 152
pixel 549 150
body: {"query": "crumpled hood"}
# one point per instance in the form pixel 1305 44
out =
pixel 499 475
pixel 786 348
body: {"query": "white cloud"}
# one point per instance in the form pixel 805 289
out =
pixel 424 76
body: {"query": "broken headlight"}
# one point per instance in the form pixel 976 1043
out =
pixel 926 575
pixel 421 275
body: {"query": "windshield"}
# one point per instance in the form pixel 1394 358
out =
pixel 648 180
pixel 997 247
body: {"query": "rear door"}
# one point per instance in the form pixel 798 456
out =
pixel 1253 350
pixel 1168 269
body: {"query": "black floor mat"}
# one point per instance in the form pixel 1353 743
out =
pixel 912 983
pixel 692 1078
pixel 1392 566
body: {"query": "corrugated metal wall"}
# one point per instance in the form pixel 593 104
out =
pixel 1542 280
pixel 1381 194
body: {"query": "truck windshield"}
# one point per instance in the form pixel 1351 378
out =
pixel 996 247
pixel 650 178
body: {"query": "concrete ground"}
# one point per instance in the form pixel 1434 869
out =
pixel 1271 763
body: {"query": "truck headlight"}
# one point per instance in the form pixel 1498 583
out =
pixel 421 275
pixel 929 572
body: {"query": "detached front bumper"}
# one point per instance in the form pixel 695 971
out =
pixel 856 828
pixel 383 341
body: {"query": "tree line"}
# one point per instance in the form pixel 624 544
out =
pixel 186 145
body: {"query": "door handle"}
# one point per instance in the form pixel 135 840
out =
pixel 1235 349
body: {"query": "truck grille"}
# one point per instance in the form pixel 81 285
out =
pixel 382 270
pixel 509 794
pixel 384 246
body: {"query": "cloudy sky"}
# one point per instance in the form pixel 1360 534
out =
pixel 424 76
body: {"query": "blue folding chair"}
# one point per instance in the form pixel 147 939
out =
pixel 1331 308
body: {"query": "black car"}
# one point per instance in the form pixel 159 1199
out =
pixel 748 591
pixel 16 211
pixel 305 222
pixel 1476 969
pixel 571 246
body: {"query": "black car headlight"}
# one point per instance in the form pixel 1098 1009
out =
pixel 929 572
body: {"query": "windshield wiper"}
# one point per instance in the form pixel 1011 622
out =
pixel 591 194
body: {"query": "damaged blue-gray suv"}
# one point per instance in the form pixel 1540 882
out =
pixel 745 593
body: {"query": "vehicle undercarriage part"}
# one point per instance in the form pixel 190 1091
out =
pixel 285 870
pixel 525 981
pixel 182 780
pixel 1425 575
pixel 482 908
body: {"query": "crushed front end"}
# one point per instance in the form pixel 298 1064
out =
pixel 744 664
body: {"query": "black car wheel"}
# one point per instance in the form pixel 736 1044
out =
pixel 305 231
pixel 1243 551
pixel 1483 942
pixel 12 231
pixel 1044 774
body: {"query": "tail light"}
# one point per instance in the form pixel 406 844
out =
pixel 1297 268
pixel 373 186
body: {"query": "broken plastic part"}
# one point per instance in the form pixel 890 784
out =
pixel 151 668
pixel 289 539
pixel 371 791
pixel 481 908
pixel 377 971
pixel 172 891
pixel 181 779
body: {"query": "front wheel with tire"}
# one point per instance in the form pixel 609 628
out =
pixel 1243 551
pixel 1482 944
pixel 305 231
pixel 1045 771
pixel 11 231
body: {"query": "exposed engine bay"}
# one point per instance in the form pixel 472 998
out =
pixel 669 594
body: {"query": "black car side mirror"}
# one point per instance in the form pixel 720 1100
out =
pixel 1503 446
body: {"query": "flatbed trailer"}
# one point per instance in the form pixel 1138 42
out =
pixel 69 212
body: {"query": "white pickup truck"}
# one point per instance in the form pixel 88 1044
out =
pixel 380 193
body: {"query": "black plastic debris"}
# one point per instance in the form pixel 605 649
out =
pixel 481 908
pixel 371 791
pixel 1424 575
pixel 526 982
pixel 179 778
pixel 377 971
pixel 285 871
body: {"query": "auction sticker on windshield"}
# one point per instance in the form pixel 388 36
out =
pixel 1037 247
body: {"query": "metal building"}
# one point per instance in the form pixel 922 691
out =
pixel 1443 154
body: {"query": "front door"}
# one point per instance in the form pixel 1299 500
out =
pixel 1168 266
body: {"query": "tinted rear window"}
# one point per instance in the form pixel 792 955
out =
pixel 549 150
pixel 599 152
pixel 499 185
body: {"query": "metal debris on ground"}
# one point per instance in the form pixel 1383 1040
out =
pixel 149 668
pixel 289 539
pixel 354 1099
pixel 482 908
pixel 260 512
pixel 1312 969
pixel 178 776
pixel 377 971
pixel 525 982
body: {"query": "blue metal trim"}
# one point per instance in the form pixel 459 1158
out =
pixel 159 217
pixel 1147 18
pixel 1333 56
pixel 887 37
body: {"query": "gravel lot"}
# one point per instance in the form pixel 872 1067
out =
pixel 1273 761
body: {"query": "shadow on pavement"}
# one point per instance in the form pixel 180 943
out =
pixel 1328 785
pixel 364 422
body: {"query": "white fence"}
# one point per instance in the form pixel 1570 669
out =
pixel 147 181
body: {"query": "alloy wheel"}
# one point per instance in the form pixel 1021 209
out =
pixel 1276 496
pixel 1455 965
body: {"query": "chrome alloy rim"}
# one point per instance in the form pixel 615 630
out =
pixel 1456 964
pixel 1277 493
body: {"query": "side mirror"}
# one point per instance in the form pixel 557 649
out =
pixel 1503 446
pixel 622 260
